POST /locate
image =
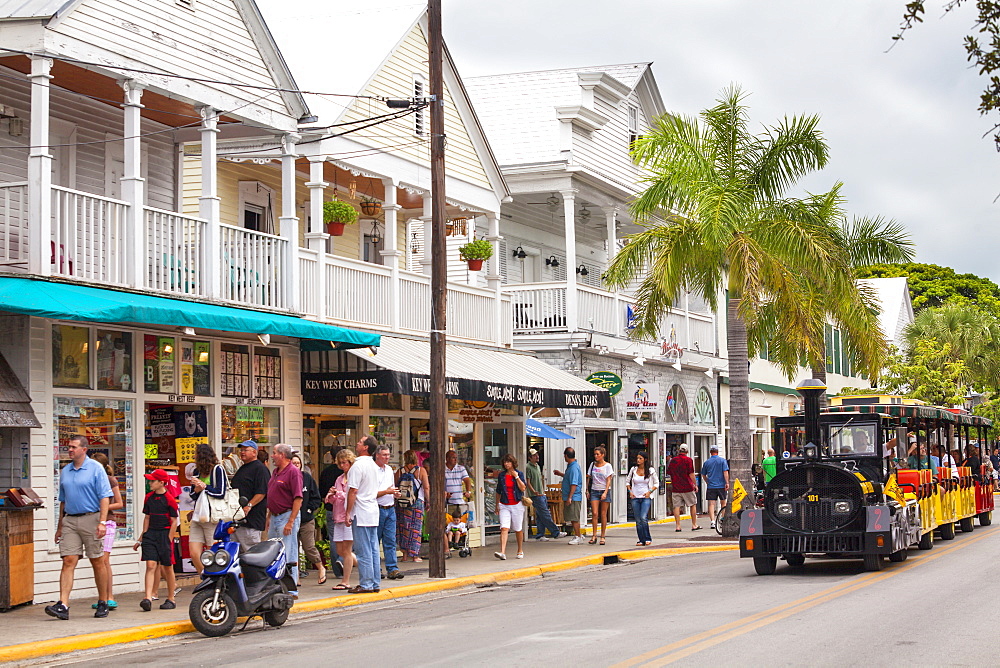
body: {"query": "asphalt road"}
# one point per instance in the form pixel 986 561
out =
pixel 699 610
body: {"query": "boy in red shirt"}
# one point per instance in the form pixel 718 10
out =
pixel 157 539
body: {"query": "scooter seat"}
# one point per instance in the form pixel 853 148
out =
pixel 261 555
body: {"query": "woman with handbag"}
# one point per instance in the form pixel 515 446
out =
pixel 510 492
pixel 210 480
pixel 410 509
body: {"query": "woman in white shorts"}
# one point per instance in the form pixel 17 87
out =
pixel 110 528
pixel 342 536
pixel 510 491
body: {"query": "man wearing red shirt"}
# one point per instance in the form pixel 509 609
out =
pixel 680 470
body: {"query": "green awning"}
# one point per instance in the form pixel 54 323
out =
pixel 69 301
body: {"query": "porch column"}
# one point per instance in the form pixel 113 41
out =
pixel 133 185
pixel 427 219
pixel 390 249
pixel 610 215
pixel 209 204
pixel 569 213
pixel 503 329
pixel 40 172
pixel 316 237
pixel 289 225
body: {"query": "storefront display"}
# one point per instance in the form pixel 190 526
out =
pixel 235 370
pixel 114 360
pixel 261 424
pixel 70 356
pixel 107 424
pixel 267 373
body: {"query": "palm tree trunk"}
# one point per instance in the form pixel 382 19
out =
pixel 738 450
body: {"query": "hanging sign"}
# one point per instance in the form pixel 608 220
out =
pixel 642 398
pixel 186 447
pixel 610 381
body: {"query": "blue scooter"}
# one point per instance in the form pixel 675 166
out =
pixel 256 584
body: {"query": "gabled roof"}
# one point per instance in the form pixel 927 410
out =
pixel 32 9
pixel 896 307
pixel 519 109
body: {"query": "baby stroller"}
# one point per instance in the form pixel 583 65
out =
pixel 462 543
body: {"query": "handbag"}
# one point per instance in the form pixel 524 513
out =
pixel 224 508
pixel 526 500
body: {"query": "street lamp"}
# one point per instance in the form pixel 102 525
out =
pixel 763 402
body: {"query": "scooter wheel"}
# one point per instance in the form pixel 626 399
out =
pixel 465 553
pixel 209 622
pixel 276 618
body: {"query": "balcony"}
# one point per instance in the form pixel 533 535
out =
pixel 541 308
pixel 91 242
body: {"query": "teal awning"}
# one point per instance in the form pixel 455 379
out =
pixel 69 301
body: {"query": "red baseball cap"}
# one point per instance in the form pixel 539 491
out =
pixel 158 474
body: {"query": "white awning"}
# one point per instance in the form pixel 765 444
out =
pixel 475 374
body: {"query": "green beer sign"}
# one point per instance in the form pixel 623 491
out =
pixel 611 382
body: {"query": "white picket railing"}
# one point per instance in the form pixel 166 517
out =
pixel 600 311
pixel 309 282
pixel 539 307
pixel 253 267
pixel 89 239
pixel 357 292
pixel 14 228
pixel 415 302
pixel 176 254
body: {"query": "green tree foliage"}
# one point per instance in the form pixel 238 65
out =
pixel 972 336
pixel 982 46
pixel 929 372
pixel 932 286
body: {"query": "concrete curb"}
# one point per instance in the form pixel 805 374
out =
pixel 34 650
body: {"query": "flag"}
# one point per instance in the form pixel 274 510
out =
pixel 739 493
pixel 891 489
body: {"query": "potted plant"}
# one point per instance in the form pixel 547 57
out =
pixel 336 214
pixel 370 206
pixel 475 252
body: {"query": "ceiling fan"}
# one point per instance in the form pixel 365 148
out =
pixel 551 201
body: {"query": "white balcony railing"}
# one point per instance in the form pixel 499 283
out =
pixel 176 259
pixel 13 223
pixel 253 267
pixel 89 237
pixel 358 292
pixel 539 307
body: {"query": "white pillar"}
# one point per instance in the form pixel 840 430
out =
pixel 316 237
pixel 427 218
pixel 569 212
pixel 390 249
pixel 289 224
pixel 40 171
pixel 494 280
pixel 610 214
pixel 133 186
pixel 209 204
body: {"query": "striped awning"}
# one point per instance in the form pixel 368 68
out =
pixel 914 412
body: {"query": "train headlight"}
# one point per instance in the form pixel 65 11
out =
pixel 207 558
pixel 842 507
pixel 221 558
pixel 784 509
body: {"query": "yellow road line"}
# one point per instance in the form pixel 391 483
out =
pixel 680 649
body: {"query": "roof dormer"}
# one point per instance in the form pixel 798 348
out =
pixel 603 85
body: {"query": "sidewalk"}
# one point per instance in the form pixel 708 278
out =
pixel 40 635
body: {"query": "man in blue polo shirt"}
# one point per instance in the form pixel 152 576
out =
pixel 572 493
pixel 84 496
pixel 715 473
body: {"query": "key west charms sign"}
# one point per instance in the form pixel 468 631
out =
pixel 323 388
pixel 642 397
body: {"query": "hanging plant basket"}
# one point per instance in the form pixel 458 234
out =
pixel 371 207
pixel 475 265
pixel 336 214
pixel 335 229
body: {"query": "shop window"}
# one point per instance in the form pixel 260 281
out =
pixel 677 408
pixel 70 356
pixel 235 374
pixel 704 411
pixel 158 363
pixel 107 424
pixel 114 360
pixel 385 402
pixel 420 403
pixel 388 430
pixel 261 424
pixel 267 373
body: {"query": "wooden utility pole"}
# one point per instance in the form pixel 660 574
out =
pixel 439 295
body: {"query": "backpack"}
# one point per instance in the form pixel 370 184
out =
pixel 408 487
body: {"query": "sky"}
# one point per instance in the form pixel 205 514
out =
pixel 905 136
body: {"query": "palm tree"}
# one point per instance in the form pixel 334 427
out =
pixel 719 221
pixel 971 334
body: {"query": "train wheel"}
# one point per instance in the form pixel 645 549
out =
pixel 926 541
pixel 966 525
pixel 765 565
pixel 873 562
pixel 947 531
pixel 986 519
pixel 897 557
pixel 795 559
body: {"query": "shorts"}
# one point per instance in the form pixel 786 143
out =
pixel 685 499
pixel 79 536
pixel 342 532
pixel 571 510
pixel 716 494
pixel 512 516
pixel 156 547
pixel 246 537
pixel 595 495
pixel 110 528
pixel 202 532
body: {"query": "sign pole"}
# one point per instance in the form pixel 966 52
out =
pixel 439 295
